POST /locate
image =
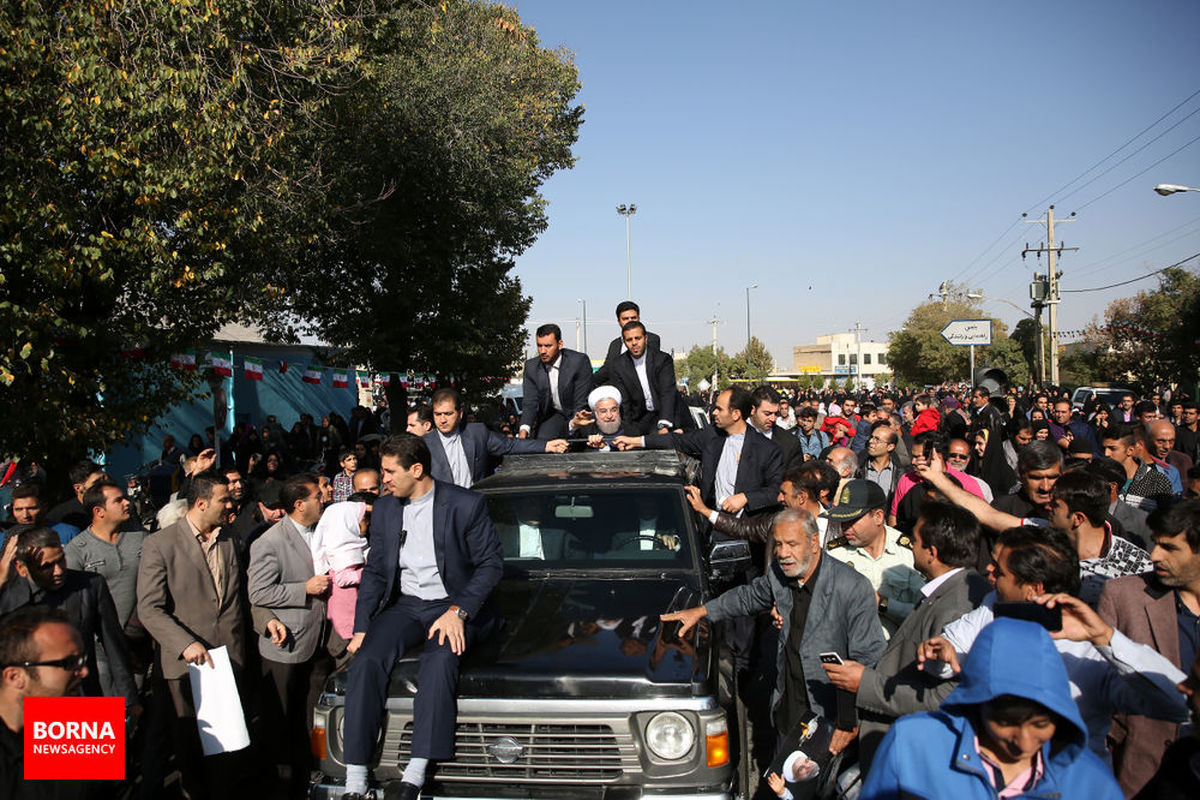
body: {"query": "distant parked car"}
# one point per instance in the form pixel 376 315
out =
pixel 1111 395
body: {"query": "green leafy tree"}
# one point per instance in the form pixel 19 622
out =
pixel 1080 364
pixel 146 167
pixel 438 157
pixel 1025 334
pixel 366 173
pixel 753 363
pixel 918 353
pixel 701 363
pixel 1150 338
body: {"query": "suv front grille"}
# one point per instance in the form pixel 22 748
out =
pixel 536 752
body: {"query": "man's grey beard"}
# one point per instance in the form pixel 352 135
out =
pixel 609 428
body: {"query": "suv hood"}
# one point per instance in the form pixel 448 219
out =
pixel 582 637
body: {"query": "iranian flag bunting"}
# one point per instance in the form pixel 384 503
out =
pixel 385 379
pixel 283 367
pixel 253 368
pixel 185 360
pixel 312 375
pixel 340 380
pixel 364 379
pixel 220 364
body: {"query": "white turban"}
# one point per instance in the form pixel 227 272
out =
pixel 603 393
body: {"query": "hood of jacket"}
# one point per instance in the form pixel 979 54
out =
pixel 1015 657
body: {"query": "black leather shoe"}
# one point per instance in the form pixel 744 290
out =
pixel 353 796
pixel 408 792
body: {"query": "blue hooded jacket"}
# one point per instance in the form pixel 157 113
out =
pixel 932 754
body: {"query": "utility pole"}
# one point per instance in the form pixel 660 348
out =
pixel 857 371
pixel 1037 293
pixel 585 348
pixel 714 322
pixel 1053 275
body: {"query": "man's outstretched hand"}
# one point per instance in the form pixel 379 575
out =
pixel 688 617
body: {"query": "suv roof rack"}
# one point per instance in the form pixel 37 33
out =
pixel 652 462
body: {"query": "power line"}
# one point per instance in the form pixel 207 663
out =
pixel 971 273
pixel 985 250
pixel 1110 261
pixel 1131 155
pixel 1134 138
pixel 1133 280
pixel 1138 175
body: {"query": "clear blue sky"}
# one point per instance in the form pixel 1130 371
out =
pixel 849 156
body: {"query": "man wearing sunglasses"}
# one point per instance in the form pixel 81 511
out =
pixel 41 655
pixel 42 579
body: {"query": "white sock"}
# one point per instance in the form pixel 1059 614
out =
pixel 414 773
pixel 356 778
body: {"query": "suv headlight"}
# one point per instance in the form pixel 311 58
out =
pixel 670 736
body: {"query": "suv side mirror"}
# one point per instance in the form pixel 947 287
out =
pixel 729 557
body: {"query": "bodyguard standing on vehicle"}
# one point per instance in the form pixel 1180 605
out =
pixel 557 382
pixel 434 560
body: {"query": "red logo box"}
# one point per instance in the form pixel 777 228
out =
pixel 74 738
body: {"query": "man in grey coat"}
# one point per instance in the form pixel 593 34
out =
pixel 281 578
pixel 826 607
pixel 945 544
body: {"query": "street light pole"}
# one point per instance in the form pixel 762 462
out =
pixel 748 288
pixel 628 211
pixel 584 302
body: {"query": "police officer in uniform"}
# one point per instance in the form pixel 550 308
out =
pixel 881 553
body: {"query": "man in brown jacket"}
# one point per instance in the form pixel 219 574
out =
pixel 1152 609
pixel 192 597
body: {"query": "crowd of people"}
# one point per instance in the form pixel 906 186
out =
pixel 974 591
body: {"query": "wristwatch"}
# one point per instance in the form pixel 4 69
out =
pixel 462 612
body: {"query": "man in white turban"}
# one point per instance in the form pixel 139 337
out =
pixel 603 423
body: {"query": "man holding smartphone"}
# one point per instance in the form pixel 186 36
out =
pixel 1109 673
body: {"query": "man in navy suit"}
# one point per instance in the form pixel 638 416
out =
pixel 460 453
pixel 556 386
pixel 741 469
pixel 434 560
pixel 646 379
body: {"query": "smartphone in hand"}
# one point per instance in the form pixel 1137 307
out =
pixel 1048 618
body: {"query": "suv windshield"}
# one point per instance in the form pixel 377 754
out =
pixel 570 530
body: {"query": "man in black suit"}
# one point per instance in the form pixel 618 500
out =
pixel 556 386
pixel 627 312
pixel 460 453
pixel 646 380
pixel 435 558
pixel 763 416
pixel 741 470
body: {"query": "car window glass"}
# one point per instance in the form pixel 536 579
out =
pixel 640 526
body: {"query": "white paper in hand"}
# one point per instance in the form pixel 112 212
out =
pixel 219 715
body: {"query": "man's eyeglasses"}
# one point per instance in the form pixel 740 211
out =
pixel 70 663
